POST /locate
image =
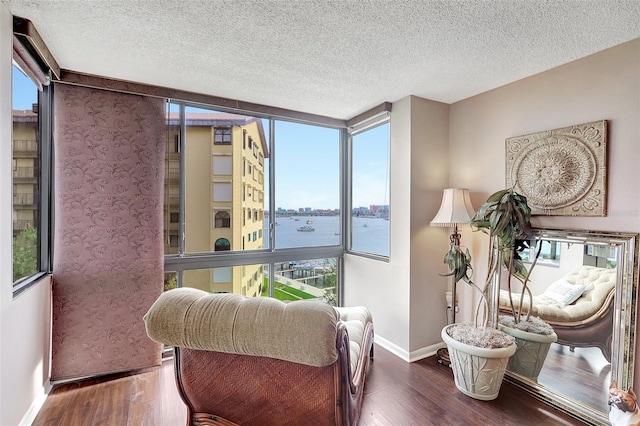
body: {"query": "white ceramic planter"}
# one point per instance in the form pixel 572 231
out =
pixel 531 353
pixel 477 372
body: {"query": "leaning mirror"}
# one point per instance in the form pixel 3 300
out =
pixel 596 332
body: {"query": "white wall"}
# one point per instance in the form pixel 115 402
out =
pixel 25 320
pixel 406 295
pixel 602 86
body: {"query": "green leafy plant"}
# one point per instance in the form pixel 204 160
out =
pixel 25 253
pixel 506 218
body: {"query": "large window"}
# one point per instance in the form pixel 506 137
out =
pixel 370 190
pixel 219 234
pixel 31 166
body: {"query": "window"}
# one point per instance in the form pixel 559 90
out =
pixel 208 188
pixel 31 135
pixel 549 253
pixel 174 217
pixel 306 279
pixel 307 174
pixel 222 191
pixel 222 136
pixel 222 165
pixel 222 244
pixel 370 190
pixel 223 220
pixel 222 275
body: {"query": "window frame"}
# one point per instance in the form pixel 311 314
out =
pixel 178 263
pixel 45 199
pixel 224 133
pixel 359 128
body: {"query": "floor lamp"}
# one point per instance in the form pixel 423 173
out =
pixel 456 210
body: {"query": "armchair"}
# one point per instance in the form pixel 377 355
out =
pixel 260 361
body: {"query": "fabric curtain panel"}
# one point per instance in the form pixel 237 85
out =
pixel 108 248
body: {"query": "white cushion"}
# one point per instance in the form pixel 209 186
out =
pixel 564 292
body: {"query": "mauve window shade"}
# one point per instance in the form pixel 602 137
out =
pixel 108 247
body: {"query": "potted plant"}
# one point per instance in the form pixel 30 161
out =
pixel 506 218
pixel 478 354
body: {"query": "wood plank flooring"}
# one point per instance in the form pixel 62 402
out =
pixel 396 393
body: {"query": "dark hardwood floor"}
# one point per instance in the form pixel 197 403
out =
pixel 396 393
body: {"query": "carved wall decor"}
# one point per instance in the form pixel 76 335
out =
pixel 562 172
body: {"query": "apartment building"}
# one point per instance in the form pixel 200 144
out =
pixel 25 170
pixel 224 160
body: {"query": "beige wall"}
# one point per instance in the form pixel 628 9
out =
pixel 602 86
pixel 406 296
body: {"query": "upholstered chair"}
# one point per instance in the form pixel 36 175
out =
pixel 260 361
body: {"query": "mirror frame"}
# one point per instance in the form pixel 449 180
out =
pixel 624 320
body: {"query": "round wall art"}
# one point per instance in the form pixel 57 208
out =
pixel 561 171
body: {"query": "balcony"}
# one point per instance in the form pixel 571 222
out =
pixel 23 199
pixel 21 225
pixel 22 145
pixel 23 173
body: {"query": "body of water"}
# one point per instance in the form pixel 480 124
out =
pixel 370 235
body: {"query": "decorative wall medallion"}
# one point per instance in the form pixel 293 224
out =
pixel 562 172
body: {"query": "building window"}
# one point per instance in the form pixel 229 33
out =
pixel 222 136
pixel 255 215
pixel 255 235
pixel 222 244
pixel 223 220
pixel 173 241
pixel 174 217
pixel 222 165
pixel 370 190
pixel 222 191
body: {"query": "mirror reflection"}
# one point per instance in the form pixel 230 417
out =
pixel 579 284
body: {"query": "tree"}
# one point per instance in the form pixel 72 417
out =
pixel 25 253
pixel 171 283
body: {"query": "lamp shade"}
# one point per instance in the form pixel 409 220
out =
pixel 456 208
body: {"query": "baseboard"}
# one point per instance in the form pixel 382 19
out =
pixel 391 347
pixel 425 352
pixel 408 356
pixel 36 405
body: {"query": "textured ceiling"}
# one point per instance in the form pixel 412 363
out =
pixel 334 58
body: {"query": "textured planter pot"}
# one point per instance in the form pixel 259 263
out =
pixel 531 353
pixel 477 372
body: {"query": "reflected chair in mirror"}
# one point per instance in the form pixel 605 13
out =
pixel 260 361
pixel 586 321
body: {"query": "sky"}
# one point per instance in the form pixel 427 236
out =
pixel 306 160
pixel 25 92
